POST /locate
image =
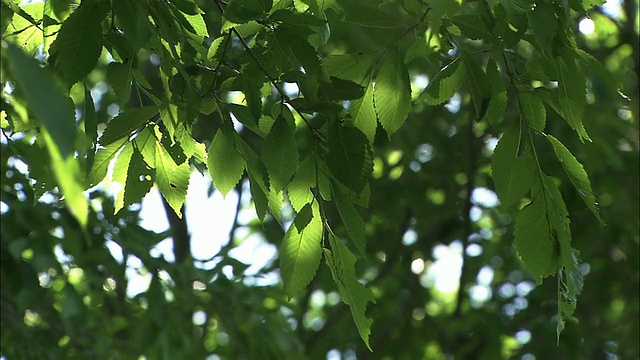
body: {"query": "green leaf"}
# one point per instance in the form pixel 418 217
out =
pixel 191 148
pixel 392 93
pixel 23 30
pixel 512 168
pixel 478 82
pixel 544 25
pixel 352 220
pixel 342 264
pixel 126 122
pixel 243 115
pixel 300 19
pixel 134 19
pixel 138 182
pixel 445 83
pixel 45 98
pixel 172 179
pixel 570 285
pixel 226 164
pixel 572 94
pixel 354 67
pixel 534 241
pixel 67 172
pixel 532 107
pixel 591 62
pixel 498 102
pixel 198 25
pixel 300 188
pixel 349 158
pixel 146 144
pixel 577 175
pixel 300 253
pixel 242 11
pixel 518 6
pixel 212 53
pixel 358 12
pixel 340 89
pixel 280 153
pixel 473 27
pixel 102 159
pixel 363 113
pixel 120 174
pixel 119 76
pixel 77 47
pixel 89 118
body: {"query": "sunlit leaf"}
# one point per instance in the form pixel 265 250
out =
pixel 512 168
pixel 352 220
pixel 46 99
pixel 300 188
pixel 342 264
pixel 363 113
pixel 392 93
pixel 67 172
pixel 126 122
pixel 534 240
pixel 172 179
pixel 300 253
pixel 445 83
pixel 280 153
pixel 572 90
pixel 349 158
pixel 225 163
pixel 577 175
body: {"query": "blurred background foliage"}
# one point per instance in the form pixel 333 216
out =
pixel 64 292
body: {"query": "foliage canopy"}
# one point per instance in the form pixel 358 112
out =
pixel 345 169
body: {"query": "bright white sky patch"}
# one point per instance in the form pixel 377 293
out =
pixel 445 271
pixel 586 26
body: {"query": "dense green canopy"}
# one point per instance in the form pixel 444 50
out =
pixel 442 179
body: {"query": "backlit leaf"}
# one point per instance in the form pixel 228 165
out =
pixel 101 161
pixel 300 188
pixel 363 113
pixel 67 172
pixel 172 179
pixel 353 293
pixel 352 220
pixel 534 240
pixel 445 83
pixel 478 82
pixel 572 94
pixel 512 168
pixel 46 99
pixel 121 172
pixel 300 253
pixel 126 122
pixel 139 180
pixel 225 163
pixel 577 175
pixel 280 153
pixel 392 93
pixel 349 158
